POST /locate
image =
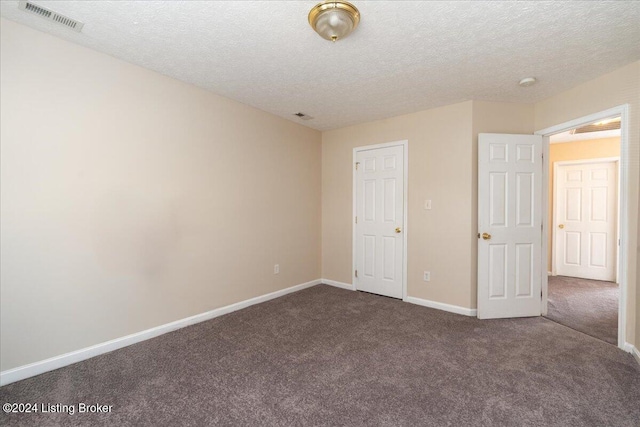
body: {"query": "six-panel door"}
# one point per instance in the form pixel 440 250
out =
pixel 586 220
pixel 509 217
pixel 380 216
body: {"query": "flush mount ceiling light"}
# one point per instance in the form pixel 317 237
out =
pixel 528 81
pixel 334 20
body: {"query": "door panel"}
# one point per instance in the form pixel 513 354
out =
pixel 380 211
pixel 497 270
pixel 389 269
pixel 573 204
pixel 598 247
pixel 524 270
pixel 498 199
pixel 509 199
pixel 369 256
pixel 585 220
pixel 369 200
pixel 572 255
pixel 390 199
pixel 524 203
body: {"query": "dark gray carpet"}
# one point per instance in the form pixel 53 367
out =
pixel 327 356
pixel 588 306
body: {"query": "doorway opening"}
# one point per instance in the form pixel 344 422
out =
pixel 584 287
pixel 583 237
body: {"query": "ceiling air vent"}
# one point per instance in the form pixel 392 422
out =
pixel 303 116
pixel 50 15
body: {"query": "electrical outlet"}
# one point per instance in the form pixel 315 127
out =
pixel 276 269
pixel 427 276
pixel 427 204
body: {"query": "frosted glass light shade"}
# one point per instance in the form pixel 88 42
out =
pixel 334 20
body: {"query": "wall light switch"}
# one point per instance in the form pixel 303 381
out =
pixel 427 276
pixel 276 269
pixel 427 204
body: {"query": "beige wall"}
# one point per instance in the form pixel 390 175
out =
pixel 130 199
pixel 576 150
pixel 619 87
pixel 440 169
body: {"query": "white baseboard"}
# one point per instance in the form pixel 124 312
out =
pixel 442 306
pixel 630 348
pixel 16 374
pixel 341 285
pixel 413 300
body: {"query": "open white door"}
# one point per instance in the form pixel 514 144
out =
pixel 509 225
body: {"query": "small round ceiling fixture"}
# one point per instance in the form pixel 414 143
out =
pixel 528 81
pixel 334 20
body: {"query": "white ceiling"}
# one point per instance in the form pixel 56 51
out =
pixel 404 56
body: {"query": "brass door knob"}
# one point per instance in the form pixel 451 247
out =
pixel 486 236
pixel 398 230
pixel 561 226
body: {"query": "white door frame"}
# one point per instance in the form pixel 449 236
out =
pixel 553 224
pixel 623 249
pixel 405 145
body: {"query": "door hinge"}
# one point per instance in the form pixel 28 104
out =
pixel 357 163
pixel 356 274
pixel 356 220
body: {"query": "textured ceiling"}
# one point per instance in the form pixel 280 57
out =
pixel 404 56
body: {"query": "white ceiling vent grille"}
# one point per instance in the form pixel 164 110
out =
pixel 50 15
